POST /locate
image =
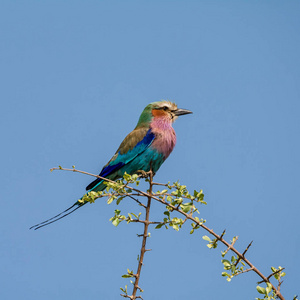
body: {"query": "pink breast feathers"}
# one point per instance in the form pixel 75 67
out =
pixel 165 137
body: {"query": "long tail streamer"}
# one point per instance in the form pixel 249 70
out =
pixel 61 215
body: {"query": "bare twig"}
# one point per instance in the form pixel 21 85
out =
pixel 157 183
pixel 137 201
pixel 145 222
pixel 233 242
pixel 82 172
pixel 244 271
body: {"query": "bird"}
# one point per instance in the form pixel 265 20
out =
pixel 142 150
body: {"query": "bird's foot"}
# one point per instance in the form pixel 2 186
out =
pixel 143 174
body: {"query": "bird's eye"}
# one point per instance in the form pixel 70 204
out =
pixel 165 108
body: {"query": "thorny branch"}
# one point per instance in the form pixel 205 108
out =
pixel 274 273
pixel 188 216
pixel 145 236
pixel 243 254
pixel 229 246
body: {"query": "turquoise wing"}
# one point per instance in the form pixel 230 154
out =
pixel 133 145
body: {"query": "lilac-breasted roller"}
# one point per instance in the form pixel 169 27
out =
pixel 145 148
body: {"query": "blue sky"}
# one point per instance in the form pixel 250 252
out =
pixel 75 77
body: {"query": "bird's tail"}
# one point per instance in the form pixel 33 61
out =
pixel 61 215
pixel 96 185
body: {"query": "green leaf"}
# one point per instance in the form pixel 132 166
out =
pixel 120 199
pixel 110 200
pixel 159 226
pixel 261 290
pixel 273 269
pixel 135 215
pixel 134 177
pixel 169 198
pixel 206 238
pixel 176 227
pixel 116 222
pixel 226 264
pixel 268 288
pixel 126 276
pixel 127 177
pixel 186 207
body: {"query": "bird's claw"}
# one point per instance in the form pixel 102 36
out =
pixel 143 174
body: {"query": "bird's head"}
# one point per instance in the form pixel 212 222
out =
pixel 162 109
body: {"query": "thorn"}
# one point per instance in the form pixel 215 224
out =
pixel 222 234
pixel 243 254
pixel 247 248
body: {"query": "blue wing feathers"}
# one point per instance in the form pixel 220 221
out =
pixel 147 140
pixel 105 172
pixel 110 169
pixel 120 160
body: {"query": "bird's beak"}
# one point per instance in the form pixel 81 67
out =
pixel 181 111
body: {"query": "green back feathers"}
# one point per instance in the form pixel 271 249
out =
pixel 131 140
pixel 145 117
